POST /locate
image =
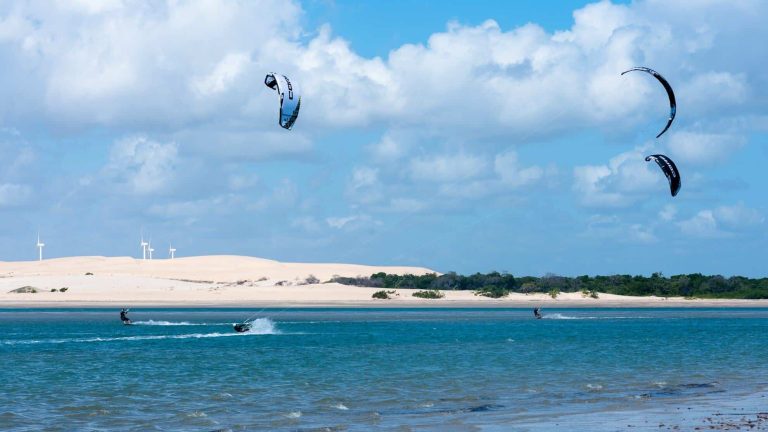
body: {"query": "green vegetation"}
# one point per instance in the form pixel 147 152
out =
pixel 554 292
pixel 384 294
pixel 429 294
pixel 497 284
pixel 492 291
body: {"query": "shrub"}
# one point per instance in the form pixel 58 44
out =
pixel 311 279
pixel 593 294
pixel 429 294
pixel 63 289
pixel 381 295
pixel 554 292
pixel 53 290
pixel 89 274
pixel 492 291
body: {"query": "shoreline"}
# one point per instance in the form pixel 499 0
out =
pixel 248 282
pixel 630 303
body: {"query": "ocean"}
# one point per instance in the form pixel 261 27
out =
pixel 383 369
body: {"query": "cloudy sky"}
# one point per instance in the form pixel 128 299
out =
pixel 476 136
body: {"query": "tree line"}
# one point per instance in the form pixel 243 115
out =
pixel 497 284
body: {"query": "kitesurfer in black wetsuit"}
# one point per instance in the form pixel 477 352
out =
pixel 537 313
pixel 124 316
pixel 242 327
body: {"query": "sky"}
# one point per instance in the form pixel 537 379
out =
pixel 472 137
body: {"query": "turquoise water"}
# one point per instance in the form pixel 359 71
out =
pixel 364 369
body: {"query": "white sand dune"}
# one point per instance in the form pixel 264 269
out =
pixel 247 281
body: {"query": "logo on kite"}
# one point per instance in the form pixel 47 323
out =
pixel 290 98
pixel 670 94
pixel 669 169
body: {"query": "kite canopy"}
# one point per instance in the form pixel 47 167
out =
pixel 669 169
pixel 290 98
pixel 670 94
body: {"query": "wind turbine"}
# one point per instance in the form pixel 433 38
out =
pixel 149 249
pixel 143 248
pixel 40 248
pixel 171 250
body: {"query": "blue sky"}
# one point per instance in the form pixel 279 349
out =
pixel 476 136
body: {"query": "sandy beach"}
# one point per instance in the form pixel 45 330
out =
pixel 237 281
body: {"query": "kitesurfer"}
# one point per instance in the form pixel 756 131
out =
pixel 124 316
pixel 242 327
pixel 537 312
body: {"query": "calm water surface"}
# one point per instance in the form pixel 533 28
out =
pixel 363 369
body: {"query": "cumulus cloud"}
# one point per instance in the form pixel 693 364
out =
pixel 450 167
pixel 621 182
pixel 703 224
pixel 698 148
pixel 173 60
pixel 723 221
pixel 509 170
pixel 223 75
pixel 142 165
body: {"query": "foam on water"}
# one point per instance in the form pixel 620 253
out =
pixel 170 323
pixel 261 326
pixel 560 316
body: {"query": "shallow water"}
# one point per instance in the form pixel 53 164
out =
pixel 363 369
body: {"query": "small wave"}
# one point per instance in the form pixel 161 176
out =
pixel 293 414
pixel 261 326
pixel 594 387
pixel 341 406
pixel 169 323
pixel 571 317
pixel 565 317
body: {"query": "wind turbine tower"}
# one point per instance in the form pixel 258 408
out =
pixel 171 251
pixel 39 248
pixel 143 248
pixel 149 249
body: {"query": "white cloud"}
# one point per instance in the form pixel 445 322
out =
pixel 352 222
pixel 703 148
pixel 242 181
pixel 738 216
pixel 448 168
pixel 223 75
pixel 723 221
pixel 12 195
pixel 364 186
pixel 668 213
pixel 363 177
pixel 713 91
pixel 143 165
pixel 103 63
pixel 619 183
pixel 391 147
pixel 307 223
pixel 511 173
pixel 407 205
pixel 703 224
